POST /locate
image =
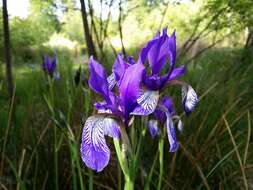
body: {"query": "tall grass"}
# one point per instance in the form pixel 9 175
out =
pixel 215 148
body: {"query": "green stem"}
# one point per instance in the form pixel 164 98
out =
pixel 129 183
pixel 51 91
pixel 161 145
pixel 90 180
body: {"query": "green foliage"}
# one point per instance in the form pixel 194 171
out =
pixel 73 26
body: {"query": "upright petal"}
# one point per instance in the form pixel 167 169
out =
pixel 111 81
pixel 129 87
pixel 189 99
pixel 147 102
pixel 157 54
pixel 171 133
pixel 98 79
pixel 119 67
pixel 94 151
pixel 173 50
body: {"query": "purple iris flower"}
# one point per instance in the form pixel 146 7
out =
pixel 127 77
pixel 160 53
pixel 49 66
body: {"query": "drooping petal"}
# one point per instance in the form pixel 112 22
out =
pixel 98 79
pixel 189 99
pixel 147 102
pixel 153 127
pixel 166 105
pixel 177 72
pixel 171 133
pixel 129 87
pixel 94 151
pixel 119 67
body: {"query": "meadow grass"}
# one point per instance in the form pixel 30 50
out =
pixel 215 148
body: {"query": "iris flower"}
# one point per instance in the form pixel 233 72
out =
pixel 127 77
pixel 160 53
pixel 49 67
pixel 139 93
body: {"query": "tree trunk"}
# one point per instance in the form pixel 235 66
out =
pixel 120 29
pixel 87 35
pixel 7 48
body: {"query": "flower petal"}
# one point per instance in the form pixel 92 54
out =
pixel 147 102
pixel 166 105
pixel 180 125
pixel 111 81
pixel 94 151
pixel 189 99
pixel 119 67
pixel 153 127
pixel 173 50
pixel 158 53
pixel 130 86
pixel 171 133
pixel 177 72
pixel 98 79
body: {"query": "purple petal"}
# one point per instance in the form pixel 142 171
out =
pixel 147 102
pixel 111 81
pixel 166 105
pixel 129 87
pixel 98 79
pixel 119 67
pixel 153 128
pixel 177 72
pixel 189 99
pixel 130 60
pixel 173 49
pixel 94 151
pixel 158 53
pixel 171 133
pixel 169 105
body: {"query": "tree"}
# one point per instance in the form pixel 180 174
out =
pixel 87 35
pixel 7 48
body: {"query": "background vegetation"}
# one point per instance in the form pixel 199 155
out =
pixel 215 42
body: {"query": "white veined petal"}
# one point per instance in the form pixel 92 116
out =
pixel 189 98
pixel 111 81
pixel 171 132
pixel 147 102
pixel 94 150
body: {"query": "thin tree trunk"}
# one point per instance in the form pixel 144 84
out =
pixel 87 35
pixel 120 29
pixel 7 48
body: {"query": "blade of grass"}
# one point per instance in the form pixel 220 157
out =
pixel 147 184
pixel 7 129
pixel 237 153
pixel 35 148
pixel 19 180
pixel 248 140
pixel 194 163
pixel 20 167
